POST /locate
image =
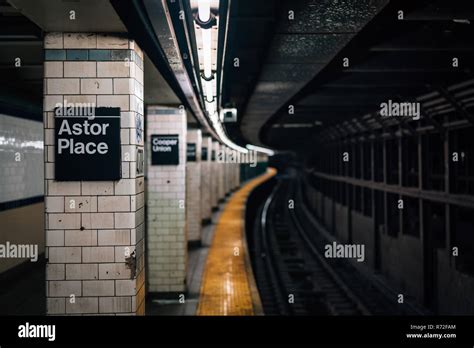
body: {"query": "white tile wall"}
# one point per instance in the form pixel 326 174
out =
pixel 220 172
pixel 226 170
pixel 215 176
pixel 87 242
pixel 206 206
pixel 237 174
pixel 166 217
pixel 193 188
pixel 21 158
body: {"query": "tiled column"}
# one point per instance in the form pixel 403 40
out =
pixel 232 175
pixel 194 201
pixel 230 171
pixel 95 229
pixel 220 172
pixel 229 178
pixel 215 176
pixel 226 171
pixel 237 175
pixel 206 172
pixel 166 207
pixel 233 184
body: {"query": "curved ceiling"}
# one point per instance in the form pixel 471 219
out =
pixel 282 46
pixel 390 59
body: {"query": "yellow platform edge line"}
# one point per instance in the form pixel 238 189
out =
pixel 233 203
pixel 256 301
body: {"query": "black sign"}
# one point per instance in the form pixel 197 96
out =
pixel 204 154
pixel 191 152
pixel 87 144
pixel 165 149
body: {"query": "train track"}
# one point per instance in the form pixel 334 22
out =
pixel 292 274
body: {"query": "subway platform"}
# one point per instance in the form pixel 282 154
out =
pixel 221 161
pixel 219 276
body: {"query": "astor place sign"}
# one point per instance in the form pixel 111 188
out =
pixel 87 143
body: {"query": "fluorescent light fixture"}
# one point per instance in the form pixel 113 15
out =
pixel 207 80
pixel 211 109
pixel 207 52
pixel 204 10
pixel 209 91
pixel 294 125
pixel 260 149
pixel 462 21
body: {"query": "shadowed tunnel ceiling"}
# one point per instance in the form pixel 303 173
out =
pixel 281 46
pixel 280 53
pixel 397 50
pixel 390 59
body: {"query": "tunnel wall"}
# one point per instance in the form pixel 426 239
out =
pixel 411 213
pixel 328 211
pixel 454 287
pixel 402 261
pixel 342 227
pixel 363 233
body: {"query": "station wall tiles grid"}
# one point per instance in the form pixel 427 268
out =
pixel 206 208
pixel 193 189
pixel 236 175
pixel 95 230
pixel 166 215
pixel 21 185
pixel 225 167
pixel 215 175
pixel 21 155
pixel 220 166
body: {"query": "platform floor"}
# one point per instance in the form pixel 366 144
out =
pixel 227 285
pixel 24 293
